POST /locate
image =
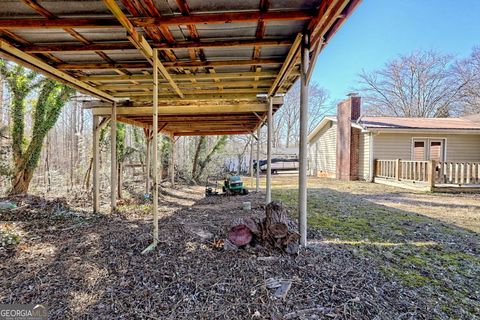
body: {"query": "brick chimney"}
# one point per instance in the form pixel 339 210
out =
pixel 348 138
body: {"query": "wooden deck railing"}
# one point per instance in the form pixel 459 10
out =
pixel 431 173
pixel 461 173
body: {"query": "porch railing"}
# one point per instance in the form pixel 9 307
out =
pixel 461 173
pixel 430 172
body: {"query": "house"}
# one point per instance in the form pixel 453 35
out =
pixel 348 145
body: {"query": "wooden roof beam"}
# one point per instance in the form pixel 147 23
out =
pixel 140 42
pixel 114 87
pixel 116 46
pixel 211 133
pixel 183 77
pixel 22 58
pixel 291 58
pixel 167 65
pixel 322 29
pixel 47 14
pixel 133 95
pixel 199 97
pixel 184 110
pixel 207 18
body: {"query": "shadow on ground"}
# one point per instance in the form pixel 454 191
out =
pixel 436 263
pixel 366 260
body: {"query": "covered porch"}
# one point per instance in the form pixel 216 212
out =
pixel 184 68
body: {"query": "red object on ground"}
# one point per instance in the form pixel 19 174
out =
pixel 240 235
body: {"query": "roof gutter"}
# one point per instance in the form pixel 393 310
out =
pixel 418 130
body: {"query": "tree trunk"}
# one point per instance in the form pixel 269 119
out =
pixel 86 180
pixel 276 230
pixel 21 181
pixel 47 164
pixel 200 144
pixel 119 179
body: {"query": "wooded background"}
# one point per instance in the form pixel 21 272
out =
pixel 420 84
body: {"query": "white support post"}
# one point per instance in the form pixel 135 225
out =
pixel 250 166
pixel 302 175
pixel 96 165
pixel 152 246
pixel 257 185
pixel 269 150
pixel 172 163
pixel 113 156
pixel 147 161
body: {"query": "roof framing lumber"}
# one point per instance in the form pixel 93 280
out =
pixel 115 46
pixel 186 85
pixel 141 43
pixel 182 109
pixel 291 58
pixel 167 65
pixel 200 97
pixel 183 77
pixel 207 18
pixel 191 92
pixel 133 122
pixel 47 14
pixel 202 118
pixel 210 133
pixel 208 86
pixel 22 58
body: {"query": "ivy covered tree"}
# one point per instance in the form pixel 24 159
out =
pixel 47 98
pixel 201 158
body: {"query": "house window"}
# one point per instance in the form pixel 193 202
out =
pixel 428 149
pixel 436 150
pixel 419 150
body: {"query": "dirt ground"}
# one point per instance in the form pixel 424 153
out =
pixel 375 252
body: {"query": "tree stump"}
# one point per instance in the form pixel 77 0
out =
pixel 276 230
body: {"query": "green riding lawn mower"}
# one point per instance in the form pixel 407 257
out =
pixel 232 186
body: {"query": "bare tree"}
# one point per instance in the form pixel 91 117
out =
pixel 467 72
pixel 287 123
pixel 420 84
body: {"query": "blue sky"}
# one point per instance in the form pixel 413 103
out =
pixel 380 30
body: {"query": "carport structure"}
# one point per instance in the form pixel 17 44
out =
pixel 181 67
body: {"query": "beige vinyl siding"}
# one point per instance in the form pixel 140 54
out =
pixel 364 157
pixel 459 147
pixel 323 150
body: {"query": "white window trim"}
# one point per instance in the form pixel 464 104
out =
pixel 427 145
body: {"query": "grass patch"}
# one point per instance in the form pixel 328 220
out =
pixel 433 260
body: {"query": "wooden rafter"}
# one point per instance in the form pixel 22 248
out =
pixel 140 42
pixel 172 65
pixel 14 54
pixel 192 29
pixel 192 92
pixel 184 110
pixel 183 85
pixel 291 56
pixel 115 46
pixel 260 32
pixel 208 18
pixel 156 33
pixel 183 77
pixel 47 14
